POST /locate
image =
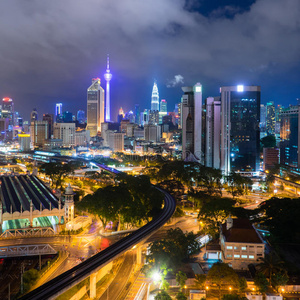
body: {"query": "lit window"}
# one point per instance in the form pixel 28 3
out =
pixel 236 256
pixel 244 248
pixel 244 256
pixel 229 255
pixel 229 247
pixel 235 248
pixel 251 256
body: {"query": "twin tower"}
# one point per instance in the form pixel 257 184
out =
pixel 98 109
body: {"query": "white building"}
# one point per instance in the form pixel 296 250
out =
pixel 65 132
pixel 115 140
pixel 82 138
pixel 95 107
pixel 152 133
pixel 191 112
pixel 24 141
pixel 240 243
pixel 213 132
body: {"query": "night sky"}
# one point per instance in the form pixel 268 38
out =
pixel 50 50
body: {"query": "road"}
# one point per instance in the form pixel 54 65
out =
pixel 120 281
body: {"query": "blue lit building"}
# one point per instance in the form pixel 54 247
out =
pixel 240 140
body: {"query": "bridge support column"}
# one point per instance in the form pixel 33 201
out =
pixel 93 281
pixel 139 255
pixel 30 216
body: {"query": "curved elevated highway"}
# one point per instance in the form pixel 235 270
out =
pixel 67 280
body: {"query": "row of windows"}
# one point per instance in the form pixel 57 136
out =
pixel 240 256
pixel 243 247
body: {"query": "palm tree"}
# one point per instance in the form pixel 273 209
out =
pixel 270 264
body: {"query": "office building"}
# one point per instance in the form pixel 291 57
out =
pixel 65 132
pixel 80 116
pixel 115 140
pixel 58 112
pixel 82 138
pixel 8 111
pixel 34 115
pixel 153 117
pixel 155 98
pixel 213 132
pixel 152 133
pixel 240 140
pixel 144 117
pixel 67 117
pixel 270 158
pixel 289 137
pixel 49 118
pixel 263 118
pixel 4 123
pixel 24 141
pixel 270 122
pixel 192 123
pixel 95 107
pixel 107 77
pixel 179 116
pixel 163 111
pixel 39 132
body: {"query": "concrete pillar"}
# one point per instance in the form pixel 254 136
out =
pixel 93 281
pixel 31 216
pixel 139 255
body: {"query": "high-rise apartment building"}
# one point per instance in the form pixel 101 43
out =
pixel 95 107
pixel 240 141
pixel 107 77
pixel 155 98
pixel 270 122
pixel 65 132
pixel 191 111
pixel 289 137
pixel 163 111
pixel 213 132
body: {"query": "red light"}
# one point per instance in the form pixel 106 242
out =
pixel 6 99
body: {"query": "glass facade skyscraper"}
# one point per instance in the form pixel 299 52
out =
pixel 155 98
pixel 240 140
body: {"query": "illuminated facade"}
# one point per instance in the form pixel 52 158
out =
pixel 163 110
pixel 95 107
pixel 107 77
pixel 240 140
pixel 39 132
pixel 65 132
pixel 289 131
pixel 270 121
pixel 155 98
pixel 8 110
pixel 191 116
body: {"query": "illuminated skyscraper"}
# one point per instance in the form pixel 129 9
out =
pixel 192 123
pixel 107 77
pixel 163 110
pixel 155 98
pixel 95 107
pixel 8 110
pixel 58 110
pixel 270 122
pixel 240 141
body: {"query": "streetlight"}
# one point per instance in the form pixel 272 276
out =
pixel 230 288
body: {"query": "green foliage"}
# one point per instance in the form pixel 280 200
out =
pixel 57 171
pixel 270 265
pixel 268 141
pixel 181 296
pixel 29 279
pixel 200 280
pixel 238 185
pixel 132 201
pixel 178 212
pixel 280 216
pixel 261 282
pixel 222 276
pixel 162 295
pixel 242 284
pixel 181 279
pixel 171 251
pixel 233 297
pixel 279 279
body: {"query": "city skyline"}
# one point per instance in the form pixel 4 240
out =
pixel 253 43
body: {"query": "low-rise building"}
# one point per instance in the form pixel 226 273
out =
pixel 240 243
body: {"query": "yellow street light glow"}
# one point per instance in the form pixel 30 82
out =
pixel 207 287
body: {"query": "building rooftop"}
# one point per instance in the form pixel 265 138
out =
pixel 241 231
pixel 17 191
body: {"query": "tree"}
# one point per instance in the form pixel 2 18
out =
pixel 270 264
pixel 261 282
pixel 181 296
pixel 242 284
pixel 163 295
pixel 223 276
pixel 200 281
pixel 181 279
pixel 279 279
pixel 268 141
pixel 233 297
pixel 237 184
pixel 29 279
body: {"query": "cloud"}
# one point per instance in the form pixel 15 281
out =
pixel 177 80
pixel 50 50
